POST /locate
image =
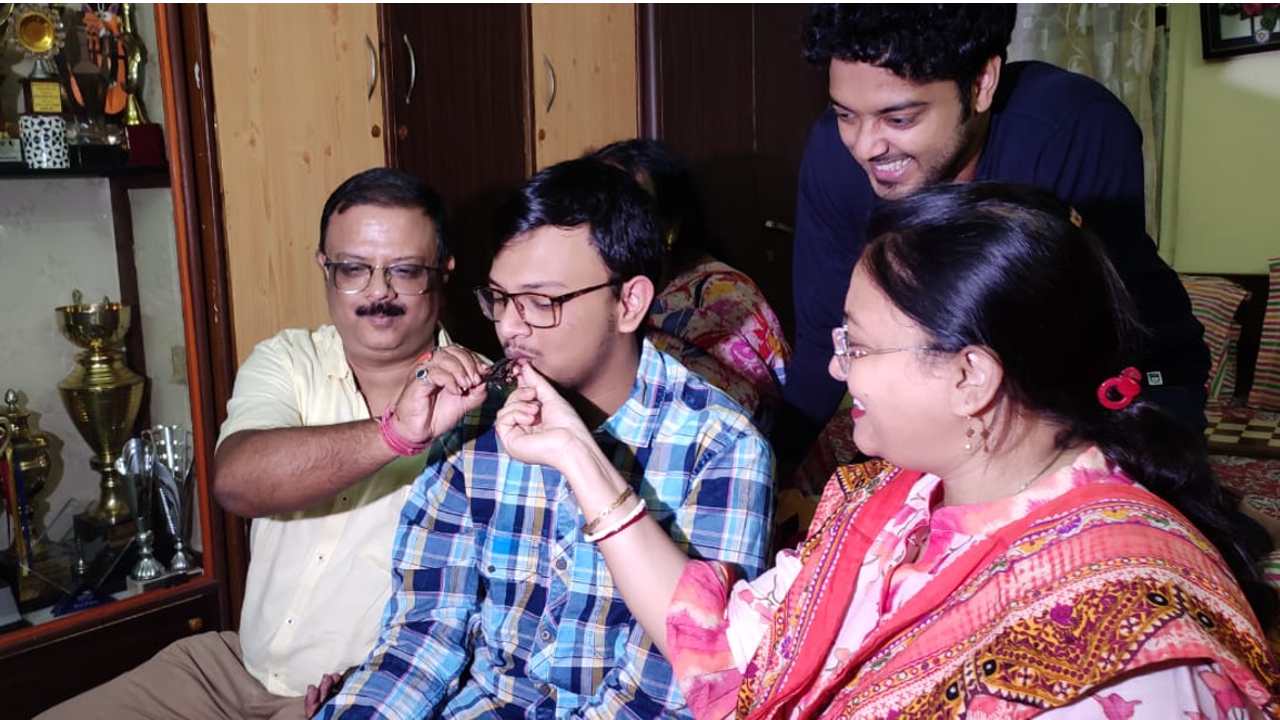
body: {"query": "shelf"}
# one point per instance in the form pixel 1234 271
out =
pixel 131 175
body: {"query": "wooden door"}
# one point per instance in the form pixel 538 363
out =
pixel 458 101
pixel 727 87
pixel 584 78
pixel 299 109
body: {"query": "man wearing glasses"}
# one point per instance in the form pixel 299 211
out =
pixel 301 452
pixel 502 605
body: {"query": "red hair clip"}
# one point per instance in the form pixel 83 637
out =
pixel 1118 392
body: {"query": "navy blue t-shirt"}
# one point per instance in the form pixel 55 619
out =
pixel 1050 128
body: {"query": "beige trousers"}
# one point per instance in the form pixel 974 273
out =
pixel 197 677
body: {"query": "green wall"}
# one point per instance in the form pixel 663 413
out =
pixel 1221 178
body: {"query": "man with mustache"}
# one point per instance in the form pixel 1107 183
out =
pixel 310 451
pixel 920 95
pixel 502 606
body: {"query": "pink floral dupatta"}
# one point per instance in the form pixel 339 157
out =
pixel 1094 585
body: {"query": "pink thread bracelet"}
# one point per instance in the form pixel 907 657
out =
pixel 394 440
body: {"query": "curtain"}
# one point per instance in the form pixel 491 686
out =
pixel 1120 47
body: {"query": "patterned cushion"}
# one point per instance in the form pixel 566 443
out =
pixel 1266 380
pixel 1214 301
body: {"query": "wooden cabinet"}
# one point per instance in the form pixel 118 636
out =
pixel 474 98
pixel 481 96
pixel 727 87
pixel 456 96
pixel 584 78
pixel 49 673
pixel 298 94
pixel 58 657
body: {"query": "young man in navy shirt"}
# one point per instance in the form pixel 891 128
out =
pixel 921 94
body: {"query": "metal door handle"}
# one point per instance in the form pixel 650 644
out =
pixel 373 65
pixel 551 82
pixel 779 227
pixel 413 68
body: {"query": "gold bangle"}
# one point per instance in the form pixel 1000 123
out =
pixel 591 526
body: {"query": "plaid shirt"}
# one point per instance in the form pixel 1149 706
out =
pixel 500 608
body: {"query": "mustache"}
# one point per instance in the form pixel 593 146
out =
pixel 380 308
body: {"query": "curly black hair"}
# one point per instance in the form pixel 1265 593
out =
pixel 920 43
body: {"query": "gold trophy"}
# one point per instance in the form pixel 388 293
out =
pixel 37 30
pixel 29 567
pixel 102 396
pixel 146 139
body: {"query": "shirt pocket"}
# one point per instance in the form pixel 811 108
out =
pixel 511 558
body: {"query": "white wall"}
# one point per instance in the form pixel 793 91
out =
pixel 57 235
pixel 1222 156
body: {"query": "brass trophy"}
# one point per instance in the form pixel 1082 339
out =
pixel 146 141
pixel 37 30
pixel 28 566
pixel 103 398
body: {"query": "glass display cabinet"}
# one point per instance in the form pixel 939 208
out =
pixel 114 364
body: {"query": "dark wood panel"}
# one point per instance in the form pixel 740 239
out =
pixel 727 87
pixel 462 125
pixel 790 94
pixel 703 86
pixel 44 676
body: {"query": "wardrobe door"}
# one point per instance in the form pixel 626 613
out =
pixel 728 88
pixel 584 78
pixel 458 102
pixel 298 106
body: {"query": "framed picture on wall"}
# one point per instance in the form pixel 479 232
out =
pixel 1228 29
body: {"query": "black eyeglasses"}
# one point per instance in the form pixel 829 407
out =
pixel 350 277
pixel 535 309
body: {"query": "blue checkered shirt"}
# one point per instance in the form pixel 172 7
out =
pixel 499 608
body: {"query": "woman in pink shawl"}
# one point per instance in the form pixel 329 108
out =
pixel 1036 541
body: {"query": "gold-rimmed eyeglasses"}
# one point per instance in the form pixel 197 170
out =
pixel 350 277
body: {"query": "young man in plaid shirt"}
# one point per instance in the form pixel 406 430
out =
pixel 502 604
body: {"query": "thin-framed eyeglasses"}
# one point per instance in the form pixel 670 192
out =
pixel 350 277
pixel 535 309
pixel 846 353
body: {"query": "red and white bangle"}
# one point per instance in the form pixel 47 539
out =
pixel 394 440
pixel 618 525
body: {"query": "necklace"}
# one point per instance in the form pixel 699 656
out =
pixel 1035 477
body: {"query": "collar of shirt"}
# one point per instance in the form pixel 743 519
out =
pixel 636 421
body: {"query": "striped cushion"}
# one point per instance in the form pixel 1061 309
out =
pixel 1214 301
pixel 1266 380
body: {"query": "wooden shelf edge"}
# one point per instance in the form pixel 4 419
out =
pixel 18 641
pixel 135 176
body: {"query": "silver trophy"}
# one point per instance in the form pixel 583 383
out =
pixel 136 465
pixel 173 456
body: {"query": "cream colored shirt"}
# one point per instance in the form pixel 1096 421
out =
pixel 318 580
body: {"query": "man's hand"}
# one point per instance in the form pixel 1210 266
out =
pixel 330 684
pixel 536 425
pixel 442 388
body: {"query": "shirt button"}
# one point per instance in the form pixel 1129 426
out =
pixel 492 568
pixel 546 636
pixel 320 557
pixel 289 621
pixel 561 564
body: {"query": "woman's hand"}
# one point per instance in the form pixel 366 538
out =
pixel 537 426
